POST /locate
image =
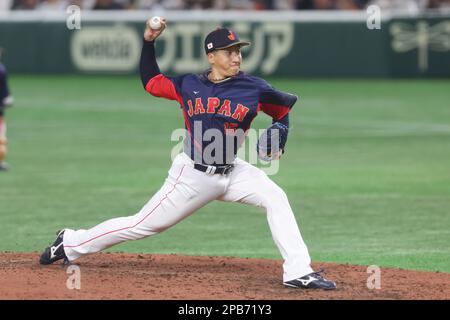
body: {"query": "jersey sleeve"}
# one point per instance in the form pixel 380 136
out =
pixel 153 80
pixel 165 87
pixel 275 103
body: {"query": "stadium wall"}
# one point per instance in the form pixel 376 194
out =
pixel 301 44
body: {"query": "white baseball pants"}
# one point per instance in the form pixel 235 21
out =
pixel 187 190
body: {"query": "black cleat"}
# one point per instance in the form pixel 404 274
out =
pixel 311 281
pixel 55 252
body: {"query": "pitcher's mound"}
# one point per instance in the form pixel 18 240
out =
pixel 152 276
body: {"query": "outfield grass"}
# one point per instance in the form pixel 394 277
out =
pixel 367 170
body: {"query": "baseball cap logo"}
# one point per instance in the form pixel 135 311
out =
pixel 231 36
pixel 209 45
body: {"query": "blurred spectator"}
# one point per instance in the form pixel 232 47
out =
pixel 346 5
pixel 361 4
pixel 107 5
pixel 263 4
pixel 25 4
pixel 153 4
pixel 146 4
pixel 240 5
pixel 52 5
pixel 437 4
pixel 413 6
pixel 316 4
pixel 198 4
pixel 126 4
pixel 284 4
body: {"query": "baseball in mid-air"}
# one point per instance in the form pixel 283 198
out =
pixel 155 23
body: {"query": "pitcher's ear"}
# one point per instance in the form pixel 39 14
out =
pixel 211 57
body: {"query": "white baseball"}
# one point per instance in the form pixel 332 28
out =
pixel 155 23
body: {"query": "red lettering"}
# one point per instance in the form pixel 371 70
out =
pixel 199 106
pixel 213 103
pixel 230 128
pixel 225 109
pixel 191 110
pixel 240 112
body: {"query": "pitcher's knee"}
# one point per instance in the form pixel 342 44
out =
pixel 276 192
pixel 147 228
pixel 274 197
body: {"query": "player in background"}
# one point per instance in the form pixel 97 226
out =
pixel 6 100
pixel 225 100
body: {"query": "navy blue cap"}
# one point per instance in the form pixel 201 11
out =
pixel 222 38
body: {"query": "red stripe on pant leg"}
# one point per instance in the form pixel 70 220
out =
pixel 104 234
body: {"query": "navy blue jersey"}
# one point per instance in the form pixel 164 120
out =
pixel 228 108
pixel 4 91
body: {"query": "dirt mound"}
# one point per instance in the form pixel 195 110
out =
pixel 176 277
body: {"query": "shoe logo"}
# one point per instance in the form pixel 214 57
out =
pixel 305 282
pixel 196 92
pixel 53 250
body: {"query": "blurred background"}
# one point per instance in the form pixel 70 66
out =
pixel 411 5
pixel 336 38
pixel 366 168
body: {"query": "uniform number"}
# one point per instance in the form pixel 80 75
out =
pixel 230 128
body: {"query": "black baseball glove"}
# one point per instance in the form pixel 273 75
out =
pixel 272 141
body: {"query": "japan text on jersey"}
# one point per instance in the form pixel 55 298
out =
pixel 219 111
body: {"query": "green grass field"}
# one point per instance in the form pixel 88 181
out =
pixel 367 169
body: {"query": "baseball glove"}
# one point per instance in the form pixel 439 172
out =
pixel 272 141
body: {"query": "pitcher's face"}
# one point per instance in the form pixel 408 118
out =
pixel 226 62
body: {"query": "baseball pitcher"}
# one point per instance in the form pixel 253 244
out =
pixel 222 100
